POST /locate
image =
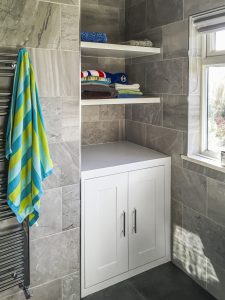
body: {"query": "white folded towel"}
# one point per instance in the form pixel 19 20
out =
pixel 133 87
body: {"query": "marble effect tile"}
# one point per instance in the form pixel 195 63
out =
pixel 70 207
pixel 70 33
pixel 71 287
pixel 102 132
pixel 49 291
pixel 204 236
pixel 64 258
pixel 165 77
pixel 147 113
pixel 136 132
pixel 50 221
pixel 30 23
pixel 216 201
pixel 175 112
pixel 57 72
pixel 175 40
pixel 189 188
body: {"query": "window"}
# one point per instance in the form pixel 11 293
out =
pixel 213 94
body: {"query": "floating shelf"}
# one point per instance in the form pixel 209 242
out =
pixel 118 101
pixel 115 50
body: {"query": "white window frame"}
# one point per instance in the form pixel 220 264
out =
pixel 210 58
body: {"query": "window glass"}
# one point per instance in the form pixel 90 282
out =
pixel 220 40
pixel 216 108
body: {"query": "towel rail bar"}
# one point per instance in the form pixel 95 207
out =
pixel 8 54
pixel 6 75
pixel 14 238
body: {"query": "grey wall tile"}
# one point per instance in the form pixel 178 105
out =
pixel 70 119
pixel 70 33
pixel 175 40
pixel 128 112
pixel 54 180
pixel 102 132
pixel 71 287
pixel 70 206
pixel 136 74
pixel 71 2
pixel 204 236
pixel 216 201
pixel 136 132
pixel 69 71
pixel 162 12
pixel 57 72
pixel 111 112
pixel 189 188
pixel 107 21
pixel 63 155
pixel 64 258
pixel 216 280
pixel 90 113
pixel 69 153
pixel 194 7
pixel 49 291
pixel 175 112
pixel 47 72
pixel 135 16
pixel 50 221
pixel 211 173
pixel 147 113
pixel 164 77
pixel 165 140
pixel 30 23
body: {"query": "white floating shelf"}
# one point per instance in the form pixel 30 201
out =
pixel 116 101
pixel 115 50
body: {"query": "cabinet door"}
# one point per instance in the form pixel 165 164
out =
pixel 106 236
pixel 146 211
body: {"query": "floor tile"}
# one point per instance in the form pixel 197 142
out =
pixel 166 282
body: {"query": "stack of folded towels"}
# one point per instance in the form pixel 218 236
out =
pixel 128 90
pixel 96 84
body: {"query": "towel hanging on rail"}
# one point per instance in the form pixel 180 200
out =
pixel 26 144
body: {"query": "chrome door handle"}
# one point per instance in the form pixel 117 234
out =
pixel 135 221
pixel 124 224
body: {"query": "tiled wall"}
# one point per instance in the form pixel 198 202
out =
pixel 50 30
pixel 198 193
pixel 103 124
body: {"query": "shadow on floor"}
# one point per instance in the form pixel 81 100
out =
pixel 166 282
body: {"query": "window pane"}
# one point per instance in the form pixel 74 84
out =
pixel 216 108
pixel 220 40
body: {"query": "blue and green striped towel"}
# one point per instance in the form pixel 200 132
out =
pixel 26 144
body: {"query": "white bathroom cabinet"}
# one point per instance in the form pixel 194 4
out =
pixel 125 213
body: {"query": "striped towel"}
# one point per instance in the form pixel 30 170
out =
pixel 96 73
pixel 26 144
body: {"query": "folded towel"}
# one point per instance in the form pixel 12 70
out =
pixel 95 37
pixel 26 144
pixel 121 78
pixel 135 87
pixel 99 88
pixel 95 73
pixel 129 92
pixel 128 96
pixel 96 95
pixel 94 79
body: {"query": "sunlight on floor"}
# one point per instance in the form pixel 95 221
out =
pixel 188 253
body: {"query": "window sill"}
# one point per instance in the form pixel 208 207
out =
pixel 205 162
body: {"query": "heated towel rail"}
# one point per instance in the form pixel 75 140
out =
pixel 14 237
